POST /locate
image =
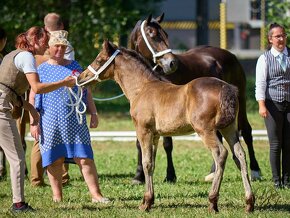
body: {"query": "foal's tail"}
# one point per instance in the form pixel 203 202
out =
pixel 229 105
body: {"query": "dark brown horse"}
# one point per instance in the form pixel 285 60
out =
pixel 151 41
pixel 159 108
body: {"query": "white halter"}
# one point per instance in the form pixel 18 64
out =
pixel 158 54
pixel 100 70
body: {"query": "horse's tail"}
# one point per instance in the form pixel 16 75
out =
pixel 229 105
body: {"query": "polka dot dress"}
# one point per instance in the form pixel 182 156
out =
pixel 61 136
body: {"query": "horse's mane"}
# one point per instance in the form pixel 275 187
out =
pixel 148 68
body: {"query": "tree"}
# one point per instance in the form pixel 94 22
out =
pixel 278 11
pixel 88 21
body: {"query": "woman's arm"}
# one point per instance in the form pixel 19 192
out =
pixel 39 87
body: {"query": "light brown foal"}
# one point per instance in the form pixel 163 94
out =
pixel 159 108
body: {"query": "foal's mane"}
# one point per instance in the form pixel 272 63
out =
pixel 143 62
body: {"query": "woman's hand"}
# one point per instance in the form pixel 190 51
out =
pixel 262 109
pixel 94 121
pixel 70 81
pixel 35 131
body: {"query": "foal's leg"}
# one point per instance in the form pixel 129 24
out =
pixel 139 177
pixel 219 153
pixel 231 136
pixel 168 147
pixel 148 160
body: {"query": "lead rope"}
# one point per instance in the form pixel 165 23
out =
pixel 78 102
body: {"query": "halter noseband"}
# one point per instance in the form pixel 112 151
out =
pixel 158 54
pixel 100 70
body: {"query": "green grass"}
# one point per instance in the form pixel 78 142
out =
pixel 116 164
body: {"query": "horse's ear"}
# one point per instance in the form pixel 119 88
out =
pixel 106 45
pixel 160 18
pixel 149 18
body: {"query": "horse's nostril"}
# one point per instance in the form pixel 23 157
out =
pixel 173 64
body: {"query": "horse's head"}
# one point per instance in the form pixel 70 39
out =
pixel 101 68
pixel 151 41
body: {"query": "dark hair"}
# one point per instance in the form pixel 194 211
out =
pixel 25 41
pixel 270 32
pixel 275 25
pixel 2 33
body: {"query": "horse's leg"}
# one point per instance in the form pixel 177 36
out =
pixel 246 131
pixel 139 177
pixel 168 147
pixel 21 126
pixel 219 154
pixel 3 170
pixel 232 137
pixel 148 148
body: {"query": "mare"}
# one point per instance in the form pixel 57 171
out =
pixel 151 41
pixel 159 108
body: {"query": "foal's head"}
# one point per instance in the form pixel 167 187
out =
pixel 101 68
pixel 153 43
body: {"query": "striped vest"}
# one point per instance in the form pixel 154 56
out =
pixel 278 81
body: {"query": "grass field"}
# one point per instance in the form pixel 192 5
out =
pixel 188 197
pixel 116 163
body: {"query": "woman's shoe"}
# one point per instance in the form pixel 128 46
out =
pixel 101 200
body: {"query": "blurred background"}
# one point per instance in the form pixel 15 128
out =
pixel 239 26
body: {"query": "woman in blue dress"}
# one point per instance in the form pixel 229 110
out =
pixel 63 131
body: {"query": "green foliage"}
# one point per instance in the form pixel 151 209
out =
pixel 277 11
pixel 88 21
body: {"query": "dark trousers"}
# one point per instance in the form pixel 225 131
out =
pixel 278 128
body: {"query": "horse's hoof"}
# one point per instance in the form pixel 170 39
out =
pixel 209 177
pixel 255 175
pixel 250 204
pixel 170 179
pixel 137 182
pixel 213 208
pixel 144 207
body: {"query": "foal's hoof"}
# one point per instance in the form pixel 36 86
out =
pixel 256 175
pixel 250 204
pixel 213 208
pixel 145 207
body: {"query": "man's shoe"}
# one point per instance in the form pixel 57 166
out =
pixel 22 209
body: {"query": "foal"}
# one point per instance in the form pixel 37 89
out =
pixel 158 108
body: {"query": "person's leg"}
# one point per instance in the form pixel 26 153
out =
pixel 89 171
pixel 12 147
pixel 54 173
pixel 65 176
pixel 2 164
pixel 286 149
pixel 274 125
pixel 36 177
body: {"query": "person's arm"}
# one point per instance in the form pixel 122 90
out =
pixel 32 111
pixel 92 110
pixel 39 87
pixel 34 128
pixel 261 84
pixel 25 62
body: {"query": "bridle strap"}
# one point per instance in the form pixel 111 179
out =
pixel 100 70
pixel 158 54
